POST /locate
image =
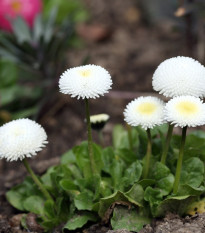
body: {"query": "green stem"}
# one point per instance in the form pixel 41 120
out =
pixel 101 138
pixel 90 142
pixel 129 132
pixel 148 155
pixel 179 162
pixel 167 143
pixel 36 180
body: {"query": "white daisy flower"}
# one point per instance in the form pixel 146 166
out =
pixel 89 81
pixel 179 76
pixel 21 138
pixel 145 111
pixel 185 111
pixel 98 121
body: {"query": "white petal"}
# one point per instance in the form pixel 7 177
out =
pixel 89 81
pixel 145 111
pixel 179 76
pixel 21 138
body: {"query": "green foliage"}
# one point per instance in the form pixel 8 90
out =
pixel 72 8
pixel 117 193
pixel 131 218
pixel 79 220
pixel 31 59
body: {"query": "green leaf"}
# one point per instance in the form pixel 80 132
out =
pixel 166 184
pixel 164 179
pixel 194 146
pixel 192 172
pixel 83 159
pixel 15 199
pixel 117 169
pixel 7 55
pixel 132 174
pixel 174 205
pixel 23 222
pixel 8 73
pixel 198 133
pixel 160 171
pixel 108 156
pixel 68 185
pixel 49 209
pixel 34 204
pixel 118 196
pixel 84 201
pixel 16 92
pixel 79 220
pixel 68 157
pixel 105 187
pixel 46 178
pixel 49 27
pixel 63 209
pixel 73 8
pixel 135 194
pixel 126 155
pixel 152 195
pixel 129 219
pixel 25 112
pixel 189 190
pixel 19 193
pixel 120 138
pixel 146 182
pixel 38 28
pixel 142 142
pixel 9 94
pixel 21 30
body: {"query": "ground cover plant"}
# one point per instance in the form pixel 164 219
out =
pixel 145 173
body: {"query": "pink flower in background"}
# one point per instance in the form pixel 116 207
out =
pixel 28 9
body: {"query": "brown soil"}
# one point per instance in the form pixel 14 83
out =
pixel 131 49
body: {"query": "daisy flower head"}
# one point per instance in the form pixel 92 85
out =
pixel 89 81
pixel 21 138
pixel 179 76
pixel 98 121
pixel 185 111
pixel 145 111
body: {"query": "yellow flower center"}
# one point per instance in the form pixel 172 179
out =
pixel 187 108
pixel 16 5
pixel 147 108
pixel 85 73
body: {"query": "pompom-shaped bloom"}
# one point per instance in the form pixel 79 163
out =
pixel 145 111
pixel 179 76
pixel 21 138
pixel 89 81
pixel 27 9
pixel 98 121
pixel 185 111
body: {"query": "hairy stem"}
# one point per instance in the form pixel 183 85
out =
pixel 36 180
pixel 90 142
pixel 129 132
pixel 167 143
pixel 148 155
pixel 179 162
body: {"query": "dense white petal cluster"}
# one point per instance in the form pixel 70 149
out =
pixel 145 111
pixel 99 118
pixel 89 81
pixel 21 138
pixel 179 76
pixel 185 111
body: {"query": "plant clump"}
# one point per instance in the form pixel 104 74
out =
pixel 146 172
